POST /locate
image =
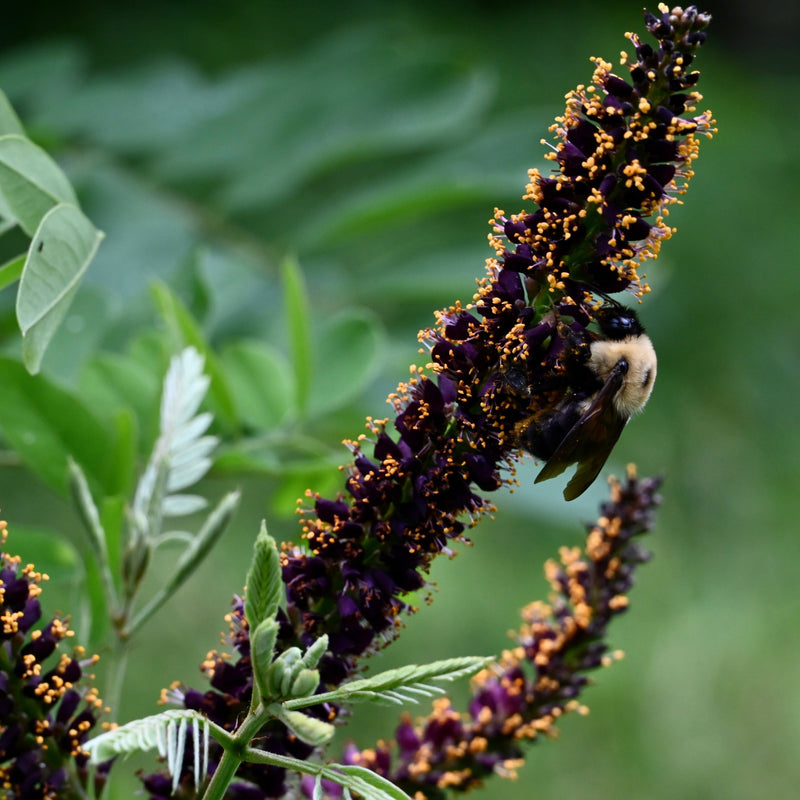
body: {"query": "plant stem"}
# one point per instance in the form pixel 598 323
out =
pixel 223 775
pixel 233 754
pixel 115 676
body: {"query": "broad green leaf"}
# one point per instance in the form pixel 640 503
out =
pixel 264 585
pixel 7 221
pixel 30 181
pixel 96 625
pixel 113 382
pixel 242 457
pixel 188 280
pixel 186 331
pixel 59 255
pixel 49 551
pixel 11 270
pixel 387 118
pixel 34 343
pixel 9 121
pixel 62 247
pixel 347 355
pixel 112 516
pixel 298 320
pixel 125 452
pixel 81 334
pixel 260 381
pixel 45 423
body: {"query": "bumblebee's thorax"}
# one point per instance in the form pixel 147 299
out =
pixel 638 353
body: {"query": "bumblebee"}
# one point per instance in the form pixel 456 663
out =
pixel 611 380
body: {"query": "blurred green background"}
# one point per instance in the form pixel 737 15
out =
pixel 372 142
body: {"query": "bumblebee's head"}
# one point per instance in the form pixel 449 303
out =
pixel 618 322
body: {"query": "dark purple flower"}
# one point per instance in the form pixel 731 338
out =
pixel 541 677
pixel 46 714
pixel 623 153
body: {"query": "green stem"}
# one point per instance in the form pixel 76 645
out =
pixel 234 753
pixel 115 676
pixel 223 775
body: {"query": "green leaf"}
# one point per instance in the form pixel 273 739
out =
pixel 308 729
pixel 185 331
pixel 260 381
pixel 45 423
pixel 30 181
pixel 347 357
pixel 264 584
pixel 97 625
pixel 62 248
pixel 298 319
pixel 399 685
pixel 6 215
pixel 94 528
pixel 123 462
pixel 112 515
pixel 50 551
pixel 12 270
pixel 88 512
pixel 283 671
pixel 366 782
pixel 315 651
pixel 243 457
pixel 114 382
pixel 122 447
pixel 9 121
pixel 166 733
pixel 262 648
pixel 305 683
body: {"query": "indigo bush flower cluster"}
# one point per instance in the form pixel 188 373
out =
pixel 47 710
pixel 622 154
pixel 540 678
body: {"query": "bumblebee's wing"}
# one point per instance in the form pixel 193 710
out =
pixel 589 468
pixel 590 440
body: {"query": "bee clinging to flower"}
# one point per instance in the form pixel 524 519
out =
pixel 611 377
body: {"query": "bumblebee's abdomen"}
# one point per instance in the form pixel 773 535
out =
pixel 543 436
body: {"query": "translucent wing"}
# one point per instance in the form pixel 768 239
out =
pixel 590 440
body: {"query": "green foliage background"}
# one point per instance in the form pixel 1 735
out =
pixel 371 143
